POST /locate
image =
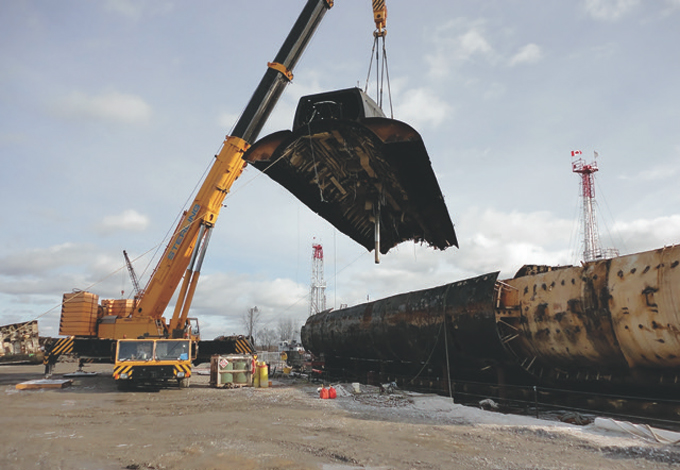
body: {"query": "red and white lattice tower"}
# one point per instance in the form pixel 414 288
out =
pixel 591 239
pixel 317 292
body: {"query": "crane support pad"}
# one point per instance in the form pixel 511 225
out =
pixel 43 383
pixel 351 166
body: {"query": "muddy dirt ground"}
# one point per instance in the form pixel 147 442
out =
pixel 91 425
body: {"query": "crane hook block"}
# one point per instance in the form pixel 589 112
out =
pixel 281 68
pixel 380 17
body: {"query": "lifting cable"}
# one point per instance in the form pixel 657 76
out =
pixel 382 75
pixel 382 78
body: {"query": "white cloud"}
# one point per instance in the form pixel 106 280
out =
pixel 129 220
pixel 658 172
pixel 490 241
pixel 421 108
pixel 136 9
pixel 40 260
pixel 471 43
pixel 648 234
pixel 223 298
pixel 458 41
pixel 498 241
pixel 131 9
pixel 227 121
pixel 609 10
pixel 110 106
pixel 529 54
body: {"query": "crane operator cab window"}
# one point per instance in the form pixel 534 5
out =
pixel 135 351
pixel 172 350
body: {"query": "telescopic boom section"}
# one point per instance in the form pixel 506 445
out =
pixel 184 254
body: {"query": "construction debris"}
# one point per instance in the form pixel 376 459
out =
pixel 19 341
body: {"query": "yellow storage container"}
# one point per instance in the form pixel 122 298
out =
pixel 263 374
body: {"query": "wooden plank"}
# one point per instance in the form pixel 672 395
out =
pixel 44 383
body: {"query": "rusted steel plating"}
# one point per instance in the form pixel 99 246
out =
pixel 615 320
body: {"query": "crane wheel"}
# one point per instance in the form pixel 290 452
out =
pixel 183 383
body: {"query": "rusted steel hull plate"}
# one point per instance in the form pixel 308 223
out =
pixel 354 172
pixel 410 332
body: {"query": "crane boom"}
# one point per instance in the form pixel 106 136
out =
pixel 190 240
pixel 183 256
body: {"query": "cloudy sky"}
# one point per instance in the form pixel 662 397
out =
pixel 110 112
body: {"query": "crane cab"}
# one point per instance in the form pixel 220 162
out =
pixel 141 362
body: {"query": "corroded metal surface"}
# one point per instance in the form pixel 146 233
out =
pixel 613 321
pixel 19 340
pixel 409 332
pixel 353 167
pixel 645 307
pixel 563 318
pixel 611 317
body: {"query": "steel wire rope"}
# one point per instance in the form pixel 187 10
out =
pixel 430 356
pixel 574 237
pixel 96 283
pixel 370 65
pixel 167 235
pixel 23 326
pixel 311 151
pixel 157 246
pixel 573 391
pixel 333 279
pixel 382 75
pixel 547 407
pixel 116 271
pixel 653 434
pixel 246 183
pixel 573 408
pixel 554 407
pixel 386 73
pixel 611 216
pixel 558 406
pixel 446 342
pixel 112 273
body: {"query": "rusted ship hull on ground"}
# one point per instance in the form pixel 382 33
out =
pixel 609 324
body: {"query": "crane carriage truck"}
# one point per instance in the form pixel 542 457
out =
pixel 144 347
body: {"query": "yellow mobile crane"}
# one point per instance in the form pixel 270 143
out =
pixel 145 347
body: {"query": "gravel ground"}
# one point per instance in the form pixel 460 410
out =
pixel 91 425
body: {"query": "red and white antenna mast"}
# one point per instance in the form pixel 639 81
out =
pixel 317 292
pixel 591 239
